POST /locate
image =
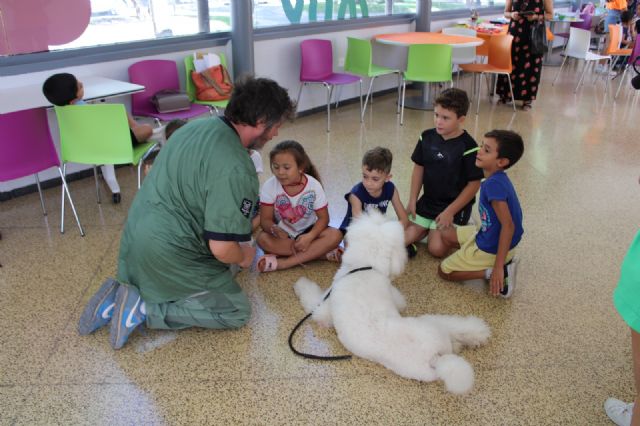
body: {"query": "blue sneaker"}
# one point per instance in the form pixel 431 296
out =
pixel 99 309
pixel 127 315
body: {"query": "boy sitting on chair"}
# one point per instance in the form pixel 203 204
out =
pixel 65 89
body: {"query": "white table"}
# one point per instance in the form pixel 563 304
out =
pixel 95 89
pixel 548 60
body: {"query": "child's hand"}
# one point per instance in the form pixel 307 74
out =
pixel 248 253
pixel 303 242
pixel 411 209
pixel 497 281
pixel 444 220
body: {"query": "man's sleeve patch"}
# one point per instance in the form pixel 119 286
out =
pixel 246 207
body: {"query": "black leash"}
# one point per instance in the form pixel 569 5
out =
pixel 293 332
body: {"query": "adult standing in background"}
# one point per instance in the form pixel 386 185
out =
pixel 187 223
pixel 614 10
pixel 527 67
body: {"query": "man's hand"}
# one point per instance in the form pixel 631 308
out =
pixel 248 253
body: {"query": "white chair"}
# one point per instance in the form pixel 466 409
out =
pixel 461 55
pixel 578 48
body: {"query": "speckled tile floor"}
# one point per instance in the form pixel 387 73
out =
pixel 558 348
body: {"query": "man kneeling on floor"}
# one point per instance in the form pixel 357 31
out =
pixel 186 224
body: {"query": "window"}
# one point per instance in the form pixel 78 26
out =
pixel 441 5
pixel 273 13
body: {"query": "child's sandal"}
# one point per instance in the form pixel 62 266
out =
pixel 335 255
pixel 269 263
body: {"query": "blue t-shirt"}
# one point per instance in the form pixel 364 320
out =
pixel 368 202
pixel 497 187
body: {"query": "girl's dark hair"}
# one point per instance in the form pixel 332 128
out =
pixel 60 89
pixel 299 154
pixel 258 99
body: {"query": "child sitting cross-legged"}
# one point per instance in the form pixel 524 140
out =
pixel 375 191
pixel 293 212
pixel 489 252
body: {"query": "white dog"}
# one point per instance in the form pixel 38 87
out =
pixel 364 309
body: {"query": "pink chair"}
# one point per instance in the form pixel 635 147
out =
pixel 317 68
pixel 26 148
pixel 156 75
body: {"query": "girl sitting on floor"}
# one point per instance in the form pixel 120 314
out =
pixel 293 212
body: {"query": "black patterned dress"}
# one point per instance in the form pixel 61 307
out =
pixel 527 67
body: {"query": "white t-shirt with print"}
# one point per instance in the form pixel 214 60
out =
pixel 294 212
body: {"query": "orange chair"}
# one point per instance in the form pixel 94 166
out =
pixel 613 46
pixel 499 62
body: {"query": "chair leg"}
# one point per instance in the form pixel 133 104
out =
pixel 479 89
pixel 65 188
pixel 560 70
pixel 299 94
pixel 584 71
pixel 338 93
pixel 95 176
pixel 624 74
pixel 366 99
pixel 44 210
pixel 404 91
pixel 361 110
pixel 62 175
pixel 141 162
pixel 399 91
pixel 513 98
pixel 329 91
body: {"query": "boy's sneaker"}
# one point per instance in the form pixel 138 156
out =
pixel 99 309
pixel 509 278
pixel 127 315
pixel 412 250
pixel 618 411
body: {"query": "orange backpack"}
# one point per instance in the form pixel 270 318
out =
pixel 212 84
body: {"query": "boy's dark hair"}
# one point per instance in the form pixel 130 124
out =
pixel 626 16
pixel 60 89
pixel 299 154
pixel 378 158
pixel 455 100
pixel 172 126
pixel 510 145
pixel 255 99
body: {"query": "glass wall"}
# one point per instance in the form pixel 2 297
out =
pixel 273 13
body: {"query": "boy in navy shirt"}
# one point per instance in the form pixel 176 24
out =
pixel 445 170
pixel 488 252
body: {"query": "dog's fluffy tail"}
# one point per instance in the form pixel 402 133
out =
pixel 455 372
pixel 309 293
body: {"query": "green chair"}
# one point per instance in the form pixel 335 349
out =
pixel 98 134
pixel 191 88
pixel 426 63
pixel 359 61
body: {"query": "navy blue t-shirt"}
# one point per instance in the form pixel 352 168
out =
pixel 497 187
pixel 368 202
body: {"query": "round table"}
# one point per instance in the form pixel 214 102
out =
pixel 391 51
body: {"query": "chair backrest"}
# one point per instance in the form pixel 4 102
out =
pixel 586 21
pixel 94 134
pixel 589 8
pixel 188 67
pixel 635 53
pixel 500 51
pixel 154 75
pixel 26 146
pixel 359 56
pixel 578 44
pixel 483 49
pixel 462 55
pixel 317 60
pixel 615 38
pixel 429 63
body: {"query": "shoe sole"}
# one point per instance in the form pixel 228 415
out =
pixel 88 322
pixel 119 333
pixel 514 262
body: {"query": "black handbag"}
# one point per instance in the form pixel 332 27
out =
pixel 539 42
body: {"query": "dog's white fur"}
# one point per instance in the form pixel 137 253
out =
pixel 364 309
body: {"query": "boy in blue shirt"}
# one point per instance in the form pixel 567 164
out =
pixel 445 172
pixel 488 252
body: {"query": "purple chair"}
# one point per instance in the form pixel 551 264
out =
pixel 26 148
pixel 156 75
pixel 634 54
pixel 584 25
pixel 317 68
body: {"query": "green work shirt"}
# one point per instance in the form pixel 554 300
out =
pixel 626 296
pixel 202 186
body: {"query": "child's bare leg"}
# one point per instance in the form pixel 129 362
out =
pixel 274 245
pixel 461 275
pixel 414 233
pixel 142 132
pixel 635 352
pixel 327 240
pixel 442 241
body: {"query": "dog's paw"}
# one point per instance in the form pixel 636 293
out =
pixel 476 332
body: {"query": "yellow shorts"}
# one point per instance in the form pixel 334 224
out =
pixel 469 257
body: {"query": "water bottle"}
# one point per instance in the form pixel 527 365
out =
pixel 474 17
